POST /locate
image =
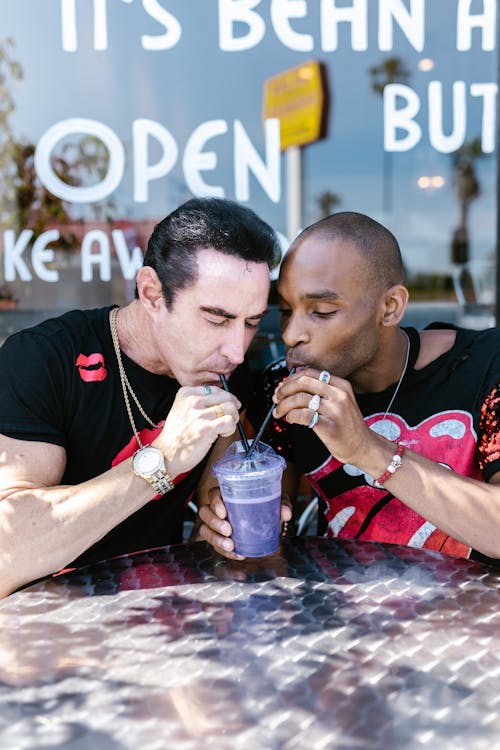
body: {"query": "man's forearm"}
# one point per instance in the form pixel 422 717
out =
pixel 465 508
pixel 44 529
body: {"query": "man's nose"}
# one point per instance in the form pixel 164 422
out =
pixel 235 346
pixel 293 331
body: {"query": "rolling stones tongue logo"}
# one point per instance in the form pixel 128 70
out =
pixel 91 368
pixel 447 438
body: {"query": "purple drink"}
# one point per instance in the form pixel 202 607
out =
pixel 251 491
pixel 256 524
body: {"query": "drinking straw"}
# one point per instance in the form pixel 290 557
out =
pixel 263 426
pixel 241 430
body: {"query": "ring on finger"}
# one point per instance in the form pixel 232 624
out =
pixel 324 377
pixel 314 402
pixel 207 389
pixel 219 411
pixel 314 420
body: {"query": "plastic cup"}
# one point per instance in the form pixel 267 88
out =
pixel 251 491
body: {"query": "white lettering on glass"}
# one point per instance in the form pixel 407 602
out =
pixel 144 172
pixel 130 262
pixel 173 30
pixel 100 258
pixel 402 117
pixel 486 21
pixel 196 160
pixel 13 261
pixel 446 144
pixel 247 159
pixel 72 193
pixel 41 254
pixel 69 25
pixel 232 12
pixel 411 22
pixel 331 16
pixel 281 12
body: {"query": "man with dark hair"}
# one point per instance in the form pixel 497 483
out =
pixel 107 416
pixel 398 431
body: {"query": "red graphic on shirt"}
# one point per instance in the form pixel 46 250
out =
pixel 447 438
pixel 147 435
pixel 489 444
pixel 91 367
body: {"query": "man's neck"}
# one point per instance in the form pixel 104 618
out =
pixel 136 337
pixel 386 367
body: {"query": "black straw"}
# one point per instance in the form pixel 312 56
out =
pixel 244 439
pixel 263 426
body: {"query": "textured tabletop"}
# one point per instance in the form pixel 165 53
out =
pixel 326 644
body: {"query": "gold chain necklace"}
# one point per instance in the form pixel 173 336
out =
pixel 126 387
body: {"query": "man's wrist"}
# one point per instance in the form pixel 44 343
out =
pixel 148 463
pixel 378 455
pixel 391 468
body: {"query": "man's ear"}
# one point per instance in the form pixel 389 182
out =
pixel 393 305
pixel 149 288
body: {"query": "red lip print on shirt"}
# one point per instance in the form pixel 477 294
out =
pixel 91 368
pixel 448 438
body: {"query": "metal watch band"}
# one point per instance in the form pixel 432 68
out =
pixel 160 481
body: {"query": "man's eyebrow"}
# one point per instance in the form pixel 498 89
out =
pixel 221 313
pixel 323 294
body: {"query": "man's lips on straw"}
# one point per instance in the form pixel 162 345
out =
pixel 293 365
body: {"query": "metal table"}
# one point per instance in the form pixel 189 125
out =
pixel 326 644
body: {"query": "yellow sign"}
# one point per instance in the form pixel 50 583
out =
pixel 298 98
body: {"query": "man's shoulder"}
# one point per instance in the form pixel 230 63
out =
pixel 467 333
pixel 71 325
pixel 74 320
pixel 439 338
pixel 54 345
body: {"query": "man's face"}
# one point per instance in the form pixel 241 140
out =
pixel 210 325
pixel 328 307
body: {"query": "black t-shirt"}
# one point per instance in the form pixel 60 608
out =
pixel 448 411
pixel 60 384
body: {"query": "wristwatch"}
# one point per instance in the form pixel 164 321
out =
pixel 149 464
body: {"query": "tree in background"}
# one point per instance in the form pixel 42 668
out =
pixel 10 74
pixel 327 201
pixel 87 158
pixel 467 189
pixel 24 201
pixel 390 70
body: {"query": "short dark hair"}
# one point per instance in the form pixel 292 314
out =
pixel 200 223
pixel 378 245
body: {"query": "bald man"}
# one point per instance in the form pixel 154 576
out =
pixel 398 431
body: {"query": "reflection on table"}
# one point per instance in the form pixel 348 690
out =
pixel 325 644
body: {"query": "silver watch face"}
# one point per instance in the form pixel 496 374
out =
pixel 148 460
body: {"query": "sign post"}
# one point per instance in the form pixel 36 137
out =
pixel 298 98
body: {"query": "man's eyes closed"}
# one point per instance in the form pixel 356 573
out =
pixel 218 323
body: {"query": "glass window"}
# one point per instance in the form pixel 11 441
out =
pixel 115 111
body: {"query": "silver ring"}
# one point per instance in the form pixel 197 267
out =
pixel 324 377
pixel 207 389
pixel 314 402
pixel 314 420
